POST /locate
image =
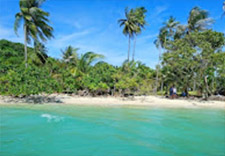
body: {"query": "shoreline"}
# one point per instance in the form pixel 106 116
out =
pixel 137 101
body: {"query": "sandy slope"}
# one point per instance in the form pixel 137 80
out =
pixel 151 101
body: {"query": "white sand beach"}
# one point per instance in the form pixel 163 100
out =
pixel 149 101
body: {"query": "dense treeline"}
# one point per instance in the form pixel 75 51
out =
pixel 73 73
pixel 194 56
pixel 191 57
pixel 196 62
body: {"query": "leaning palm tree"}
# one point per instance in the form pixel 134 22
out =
pixel 129 27
pixel 166 33
pixel 140 22
pixel 198 20
pixel 35 22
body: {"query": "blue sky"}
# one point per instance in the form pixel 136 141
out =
pixel 91 25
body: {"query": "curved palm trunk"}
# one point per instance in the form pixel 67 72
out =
pixel 135 39
pixel 25 44
pixel 128 57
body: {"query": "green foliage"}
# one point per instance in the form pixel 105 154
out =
pixel 194 58
pixel 71 74
pixel 133 78
pixel 27 81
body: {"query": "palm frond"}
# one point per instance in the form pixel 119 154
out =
pixel 17 22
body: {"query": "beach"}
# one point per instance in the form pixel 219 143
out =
pixel 145 101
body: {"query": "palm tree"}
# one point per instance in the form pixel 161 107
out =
pixel 180 31
pixel 166 33
pixel 170 27
pixel 40 51
pixel 159 43
pixel 129 27
pixel 140 21
pixel 35 22
pixel 79 62
pixel 198 20
pixel 87 59
pixel 70 55
pixel 162 39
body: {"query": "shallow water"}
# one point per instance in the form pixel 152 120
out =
pixel 49 130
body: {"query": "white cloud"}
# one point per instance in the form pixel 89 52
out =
pixel 77 25
pixel 4 32
pixel 160 9
pixel 146 38
pixel 9 34
pixel 157 16
pixel 61 41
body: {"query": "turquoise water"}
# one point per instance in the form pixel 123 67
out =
pixel 47 130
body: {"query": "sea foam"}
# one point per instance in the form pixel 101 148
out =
pixel 51 118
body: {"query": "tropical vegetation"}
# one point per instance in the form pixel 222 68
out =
pixel 191 56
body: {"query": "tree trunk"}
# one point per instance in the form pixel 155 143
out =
pixel 135 38
pixel 25 45
pixel 157 79
pixel 194 86
pixel 186 91
pixel 208 92
pixel 162 84
pixel 157 72
pixel 128 55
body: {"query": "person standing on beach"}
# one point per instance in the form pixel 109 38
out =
pixel 174 92
pixel 171 92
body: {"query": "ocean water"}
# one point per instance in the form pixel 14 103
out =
pixel 57 130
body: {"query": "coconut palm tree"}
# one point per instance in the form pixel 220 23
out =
pixel 140 21
pixel 70 55
pixel 170 27
pixel 87 59
pixel 180 31
pixel 40 52
pixel 160 43
pixel 162 39
pixel 198 20
pixel 129 27
pixel 35 22
pixel 166 33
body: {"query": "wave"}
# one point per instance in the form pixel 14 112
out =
pixel 51 118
